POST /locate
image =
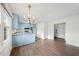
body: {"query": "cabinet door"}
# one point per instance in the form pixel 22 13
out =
pixel 24 25
pixel 15 22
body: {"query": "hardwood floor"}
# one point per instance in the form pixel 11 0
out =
pixel 46 48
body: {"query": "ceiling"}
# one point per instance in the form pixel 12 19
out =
pixel 46 11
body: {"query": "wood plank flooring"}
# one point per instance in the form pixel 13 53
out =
pixel 46 48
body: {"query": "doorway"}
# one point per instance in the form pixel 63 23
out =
pixel 59 31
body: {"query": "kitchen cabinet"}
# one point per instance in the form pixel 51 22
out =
pixel 15 22
pixel 20 39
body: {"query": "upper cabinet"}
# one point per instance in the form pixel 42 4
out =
pixel 15 21
pixel 20 25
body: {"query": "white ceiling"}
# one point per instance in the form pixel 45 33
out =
pixel 46 11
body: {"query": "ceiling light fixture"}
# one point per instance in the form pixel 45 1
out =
pixel 29 17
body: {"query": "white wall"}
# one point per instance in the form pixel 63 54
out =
pixel 40 30
pixel 50 30
pixel 6 45
pixel 72 30
pixel 45 30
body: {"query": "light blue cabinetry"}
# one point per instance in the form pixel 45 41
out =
pixel 15 21
pixel 24 25
pixel 22 39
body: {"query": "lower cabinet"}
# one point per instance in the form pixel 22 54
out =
pixel 23 39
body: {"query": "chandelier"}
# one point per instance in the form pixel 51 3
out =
pixel 29 17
